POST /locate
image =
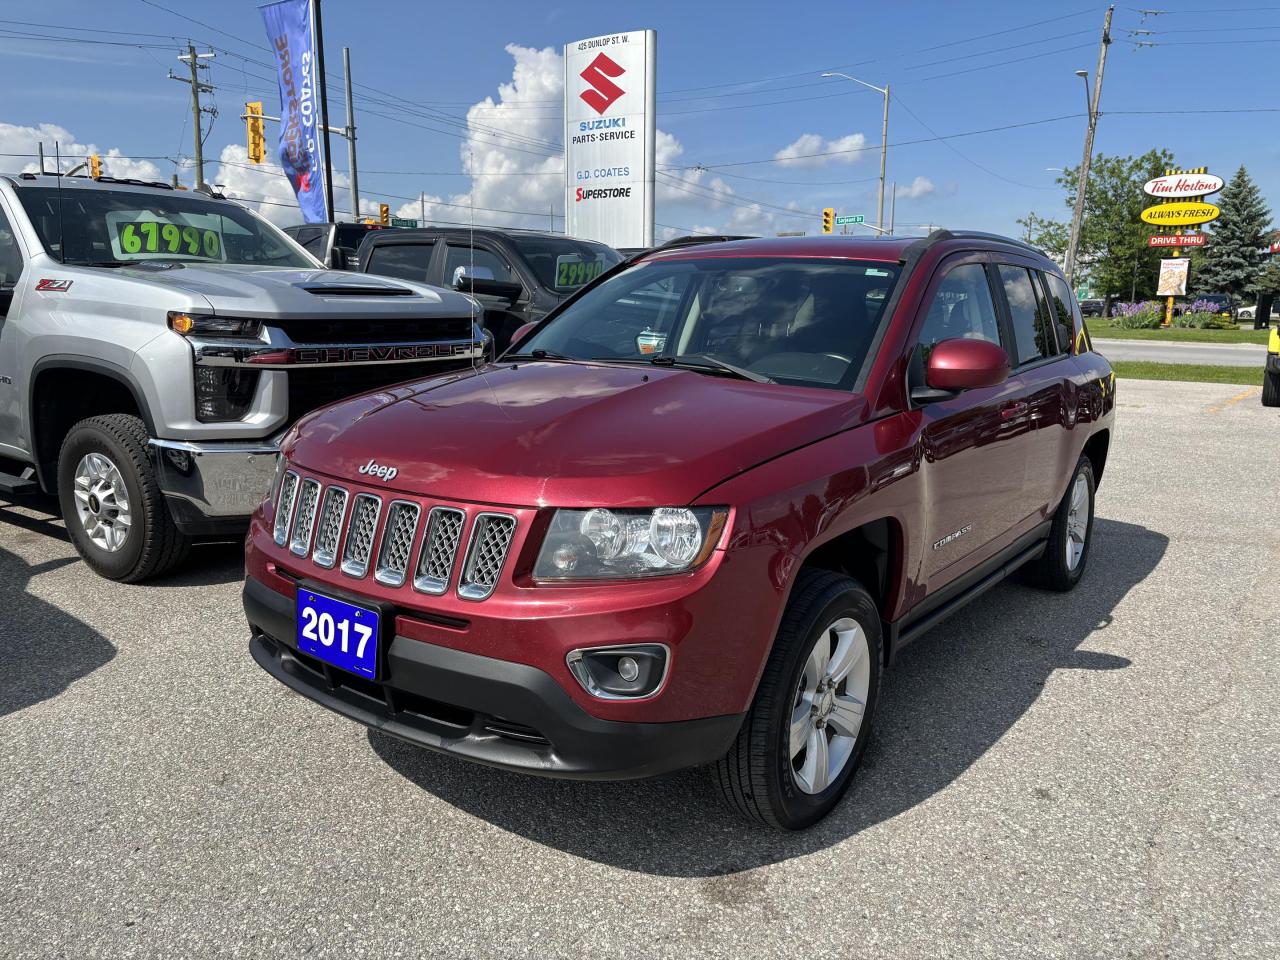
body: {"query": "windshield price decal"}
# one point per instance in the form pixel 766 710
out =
pixel 156 236
pixel 572 271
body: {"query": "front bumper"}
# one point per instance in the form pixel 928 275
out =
pixel 213 487
pixel 497 712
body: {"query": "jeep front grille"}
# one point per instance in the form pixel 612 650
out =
pixel 439 549
pixel 490 539
pixel 397 543
pixel 284 508
pixel 329 533
pixel 360 531
pixel 305 520
pixel 348 531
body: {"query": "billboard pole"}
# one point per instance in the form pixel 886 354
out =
pixel 324 108
pixel 651 132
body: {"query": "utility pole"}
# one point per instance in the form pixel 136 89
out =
pixel 1077 216
pixel 324 111
pixel 351 136
pixel 893 208
pixel 198 86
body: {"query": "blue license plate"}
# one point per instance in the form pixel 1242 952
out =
pixel 339 633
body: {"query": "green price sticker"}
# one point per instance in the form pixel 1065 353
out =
pixel 138 237
pixel 574 272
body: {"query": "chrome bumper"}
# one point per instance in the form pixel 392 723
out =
pixel 216 484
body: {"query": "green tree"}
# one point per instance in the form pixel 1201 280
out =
pixel 1113 249
pixel 1231 261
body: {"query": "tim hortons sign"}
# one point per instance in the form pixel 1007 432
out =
pixel 1176 185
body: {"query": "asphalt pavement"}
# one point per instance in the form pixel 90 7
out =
pixel 1069 776
pixel 1220 354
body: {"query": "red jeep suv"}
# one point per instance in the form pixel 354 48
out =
pixel 692 515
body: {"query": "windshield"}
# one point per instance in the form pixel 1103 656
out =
pixel 801 322
pixel 124 226
pixel 564 264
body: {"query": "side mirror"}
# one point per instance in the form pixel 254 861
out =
pixel 498 289
pixel 962 364
pixel 523 331
pixel 338 259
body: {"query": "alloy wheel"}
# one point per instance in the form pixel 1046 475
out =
pixel 829 704
pixel 1077 521
pixel 102 502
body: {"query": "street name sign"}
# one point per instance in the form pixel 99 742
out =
pixel 840 221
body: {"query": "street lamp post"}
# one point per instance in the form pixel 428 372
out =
pixel 884 140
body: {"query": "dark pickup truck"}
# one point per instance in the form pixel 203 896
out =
pixel 517 275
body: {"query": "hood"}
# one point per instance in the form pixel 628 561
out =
pixel 239 290
pixel 568 434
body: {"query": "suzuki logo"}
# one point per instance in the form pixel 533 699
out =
pixel 603 91
pixel 375 469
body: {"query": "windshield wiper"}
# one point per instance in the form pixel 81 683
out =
pixel 99 263
pixel 701 361
pixel 538 354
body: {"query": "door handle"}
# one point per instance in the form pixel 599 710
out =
pixel 1015 408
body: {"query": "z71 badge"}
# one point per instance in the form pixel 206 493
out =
pixel 53 286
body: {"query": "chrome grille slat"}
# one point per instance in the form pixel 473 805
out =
pixel 360 530
pixel 491 536
pixel 304 521
pixel 397 543
pixel 329 532
pixel 284 507
pixel 439 550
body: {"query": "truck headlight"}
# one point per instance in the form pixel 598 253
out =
pixel 602 544
pixel 205 325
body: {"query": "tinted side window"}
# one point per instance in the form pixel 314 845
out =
pixel 407 261
pixel 961 308
pixel 313 241
pixel 1032 334
pixel 10 253
pixel 1055 342
pixel 1067 310
pixel 459 256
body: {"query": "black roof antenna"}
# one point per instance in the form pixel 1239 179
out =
pixel 62 243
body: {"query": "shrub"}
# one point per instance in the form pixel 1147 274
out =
pixel 1203 315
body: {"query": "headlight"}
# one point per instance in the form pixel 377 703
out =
pixel 604 544
pixel 196 325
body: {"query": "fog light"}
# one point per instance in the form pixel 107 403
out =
pixel 628 669
pixel 620 673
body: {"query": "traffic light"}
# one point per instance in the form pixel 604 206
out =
pixel 828 219
pixel 384 214
pixel 257 139
pixel 95 166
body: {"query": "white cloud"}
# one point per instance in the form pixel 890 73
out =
pixel 801 152
pixel 26 142
pixel 919 187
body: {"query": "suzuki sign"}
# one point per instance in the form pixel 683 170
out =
pixel 609 138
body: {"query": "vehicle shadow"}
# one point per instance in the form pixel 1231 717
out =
pixel 42 649
pixel 948 698
pixel 208 564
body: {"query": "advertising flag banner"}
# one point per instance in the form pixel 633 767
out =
pixel 609 138
pixel 291 32
pixel 1173 278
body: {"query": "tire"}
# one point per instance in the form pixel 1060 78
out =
pixel 758 777
pixel 1055 568
pixel 104 454
pixel 1271 389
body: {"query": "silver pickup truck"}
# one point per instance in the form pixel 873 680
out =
pixel 155 343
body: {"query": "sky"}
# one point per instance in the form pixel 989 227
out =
pixel 985 102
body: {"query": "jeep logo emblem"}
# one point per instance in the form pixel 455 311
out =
pixel 375 469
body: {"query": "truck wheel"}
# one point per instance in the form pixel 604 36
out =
pixel 111 503
pixel 1066 554
pixel 1271 389
pixel 811 718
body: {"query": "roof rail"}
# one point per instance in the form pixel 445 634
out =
pixel 941 234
